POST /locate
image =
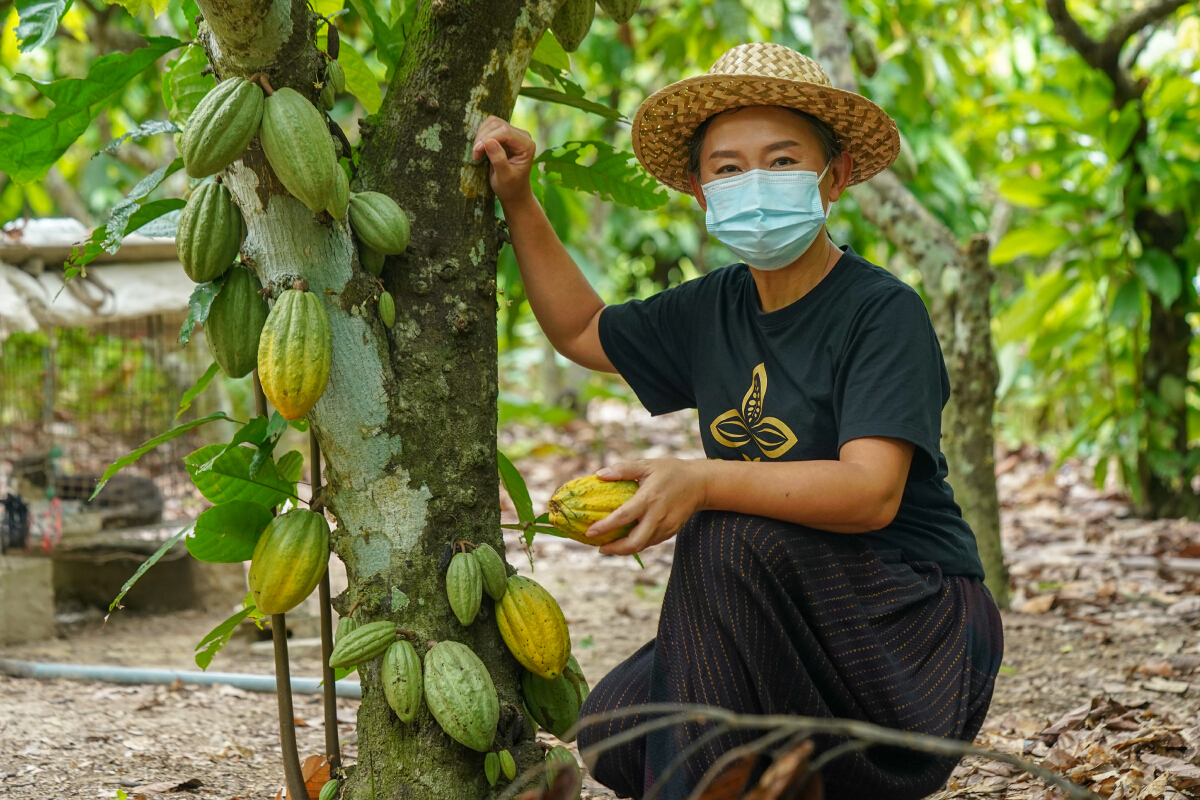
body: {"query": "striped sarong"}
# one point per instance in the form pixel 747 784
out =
pixel 766 617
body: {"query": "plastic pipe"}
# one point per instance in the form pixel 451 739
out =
pixel 100 672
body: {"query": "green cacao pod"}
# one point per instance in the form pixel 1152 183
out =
pixel 289 560
pixel 555 704
pixel 464 587
pixel 295 352
pixel 495 573
pixel 461 696
pixel 533 627
pixel 344 626
pixel 341 195
pixel 210 233
pixel 295 140
pixel 558 759
pixel 578 504
pixel 508 765
pixel 329 790
pixel 335 76
pixel 327 96
pixel 235 321
pixel 402 679
pixel 491 768
pixel 572 22
pixel 371 260
pixel 362 644
pixel 621 11
pixel 379 222
pixel 220 128
pixel 387 309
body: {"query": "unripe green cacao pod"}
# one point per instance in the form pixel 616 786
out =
pixel 235 321
pixel 461 696
pixel 491 768
pixel 329 790
pixel 533 627
pixel 371 260
pixel 221 127
pixel 289 560
pixel 387 309
pixel 508 765
pixel 578 504
pixel 295 352
pixel 327 96
pixel 335 76
pixel 495 572
pixel 555 704
pixel 572 22
pixel 621 11
pixel 344 626
pixel 558 759
pixel 341 195
pixel 379 222
pixel 295 140
pixel 362 644
pixel 402 681
pixel 464 587
pixel 210 233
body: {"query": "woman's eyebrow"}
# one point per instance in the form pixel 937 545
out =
pixel 780 146
pixel 724 154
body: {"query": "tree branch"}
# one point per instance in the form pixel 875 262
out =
pixel 1134 21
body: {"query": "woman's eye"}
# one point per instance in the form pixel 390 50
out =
pixel 783 161
pixel 728 169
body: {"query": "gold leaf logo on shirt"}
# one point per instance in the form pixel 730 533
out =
pixel 736 428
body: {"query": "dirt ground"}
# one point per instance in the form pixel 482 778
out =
pixel 1108 613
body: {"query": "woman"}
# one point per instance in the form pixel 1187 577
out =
pixel 821 564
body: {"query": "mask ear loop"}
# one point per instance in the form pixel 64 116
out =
pixel 820 178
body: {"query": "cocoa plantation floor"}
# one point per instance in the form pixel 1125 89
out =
pixel 1109 616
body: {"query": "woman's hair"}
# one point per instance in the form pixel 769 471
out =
pixel 825 135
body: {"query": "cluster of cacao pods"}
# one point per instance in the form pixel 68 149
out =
pixel 574 18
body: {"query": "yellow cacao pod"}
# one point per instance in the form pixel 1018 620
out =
pixel 295 351
pixel 533 627
pixel 579 504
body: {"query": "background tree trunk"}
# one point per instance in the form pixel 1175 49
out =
pixel 951 279
pixel 407 423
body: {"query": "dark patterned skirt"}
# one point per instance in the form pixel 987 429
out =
pixel 765 617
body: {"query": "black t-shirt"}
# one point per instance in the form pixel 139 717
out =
pixel 857 356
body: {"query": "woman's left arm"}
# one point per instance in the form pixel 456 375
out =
pixel 859 492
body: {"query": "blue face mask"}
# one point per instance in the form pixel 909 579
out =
pixel 768 219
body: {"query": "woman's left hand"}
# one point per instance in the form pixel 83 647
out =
pixel 669 491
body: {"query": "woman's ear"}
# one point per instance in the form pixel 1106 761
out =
pixel 841 170
pixel 698 192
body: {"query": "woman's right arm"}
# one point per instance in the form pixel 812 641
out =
pixel 563 301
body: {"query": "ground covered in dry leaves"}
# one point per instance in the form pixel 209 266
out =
pixel 1101 675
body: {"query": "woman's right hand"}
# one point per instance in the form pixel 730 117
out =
pixel 510 151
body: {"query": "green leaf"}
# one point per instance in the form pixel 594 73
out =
pixel 1025 191
pixel 1026 315
pixel 609 176
pixel 147 564
pixel 198 388
pixel 289 466
pixel 360 81
pixel 127 216
pixel 39 21
pixel 29 147
pixel 562 98
pixel 1121 131
pixel 514 484
pixel 143 131
pixel 223 476
pixel 208 647
pixel 551 53
pixel 126 460
pixel 1127 303
pixel 185 84
pixel 389 39
pixel 228 532
pixel 199 305
pixel 1161 275
pixel 1037 241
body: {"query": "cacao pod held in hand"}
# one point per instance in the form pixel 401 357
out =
pixel 210 233
pixel 289 560
pixel 461 696
pixel 235 322
pixel 580 503
pixel 222 125
pixel 555 704
pixel 295 352
pixel 533 627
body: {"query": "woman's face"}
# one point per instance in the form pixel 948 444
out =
pixel 767 138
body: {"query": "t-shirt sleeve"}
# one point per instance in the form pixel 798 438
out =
pixel 650 342
pixel 892 380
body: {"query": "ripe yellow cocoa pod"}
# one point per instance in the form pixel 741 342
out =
pixel 579 504
pixel 533 627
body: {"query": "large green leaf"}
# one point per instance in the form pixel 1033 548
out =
pixel 1161 275
pixel 551 53
pixel 223 476
pixel 126 460
pixel 144 131
pixel 39 21
pixel 147 564
pixel 197 388
pixel 562 98
pixel 228 532
pixel 600 169
pixel 185 84
pixel 360 81
pixel 29 147
pixel 208 647
pixel 514 484
pixel 108 240
pixel 1036 241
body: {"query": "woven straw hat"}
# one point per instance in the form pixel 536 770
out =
pixel 759 74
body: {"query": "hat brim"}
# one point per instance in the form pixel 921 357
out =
pixel 665 122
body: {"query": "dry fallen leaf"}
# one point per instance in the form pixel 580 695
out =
pixel 316 774
pixel 1038 605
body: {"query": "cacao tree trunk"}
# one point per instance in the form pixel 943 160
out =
pixel 950 276
pixel 407 424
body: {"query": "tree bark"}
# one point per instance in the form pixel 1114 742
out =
pixel 407 424
pixel 949 279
